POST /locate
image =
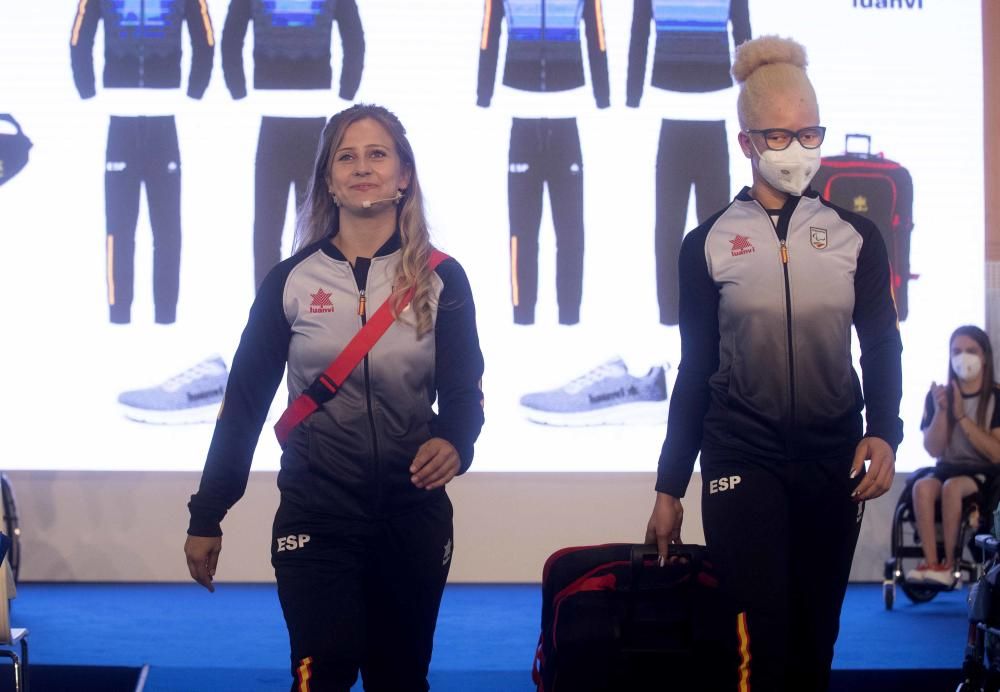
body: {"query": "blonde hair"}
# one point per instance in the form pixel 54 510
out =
pixel 319 217
pixel 767 66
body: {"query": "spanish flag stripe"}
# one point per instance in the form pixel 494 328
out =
pixel 111 266
pixel 743 634
pixel 600 26
pixel 207 21
pixel 304 673
pixel 484 43
pixel 515 291
pixel 79 22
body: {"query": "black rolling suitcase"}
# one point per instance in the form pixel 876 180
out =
pixel 613 620
pixel 881 190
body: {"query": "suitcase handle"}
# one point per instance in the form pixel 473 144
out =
pixel 645 559
pixel 868 144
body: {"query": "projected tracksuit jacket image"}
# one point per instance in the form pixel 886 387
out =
pixel 544 54
pixel 142 49
pixel 691 55
pixel 365 585
pixel 291 42
pixel 767 393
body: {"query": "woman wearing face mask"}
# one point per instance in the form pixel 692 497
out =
pixel 961 427
pixel 770 288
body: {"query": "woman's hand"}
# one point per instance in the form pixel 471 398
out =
pixel 881 470
pixel 664 525
pixel 435 464
pixel 202 554
pixel 957 405
pixel 939 394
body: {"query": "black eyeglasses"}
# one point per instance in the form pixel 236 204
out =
pixel 779 139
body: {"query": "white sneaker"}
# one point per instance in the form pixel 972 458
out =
pixel 919 573
pixel 193 396
pixel 940 575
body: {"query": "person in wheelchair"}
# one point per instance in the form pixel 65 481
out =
pixel 961 426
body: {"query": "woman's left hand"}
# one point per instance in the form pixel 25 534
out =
pixel 957 404
pixel 435 464
pixel 881 470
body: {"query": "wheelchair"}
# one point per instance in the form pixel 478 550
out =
pixel 906 552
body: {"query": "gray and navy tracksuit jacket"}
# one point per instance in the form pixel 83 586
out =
pixel 142 44
pixel 692 44
pixel 291 45
pixel 543 47
pixel 765 315
pixel 350 459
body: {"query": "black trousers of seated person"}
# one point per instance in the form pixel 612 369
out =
pixel 362 595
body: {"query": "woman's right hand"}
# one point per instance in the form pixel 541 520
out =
pixel 939 393
pixel 664 525
pixel 202 554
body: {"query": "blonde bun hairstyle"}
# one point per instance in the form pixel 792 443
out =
pixel 765 67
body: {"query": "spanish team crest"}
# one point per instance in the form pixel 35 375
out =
pixel 817 237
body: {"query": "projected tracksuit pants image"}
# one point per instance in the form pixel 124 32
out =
pixel 143 151
pixel 286 151
pixel 545 151
pixel 691 153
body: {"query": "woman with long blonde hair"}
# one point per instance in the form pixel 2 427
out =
pixel 363 539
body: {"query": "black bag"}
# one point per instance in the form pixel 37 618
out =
pixel 613 620
pixel 13 150
pixel 880 190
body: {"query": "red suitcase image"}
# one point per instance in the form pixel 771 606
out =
pixel 881 190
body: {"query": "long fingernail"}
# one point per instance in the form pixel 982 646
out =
pixel 661 561
pixel 854 473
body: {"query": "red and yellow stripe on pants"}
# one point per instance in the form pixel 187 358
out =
pixel 743 638
pixel 303 674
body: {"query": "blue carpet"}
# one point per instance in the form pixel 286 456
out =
pixel 235 638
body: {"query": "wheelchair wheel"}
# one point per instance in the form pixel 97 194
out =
pixel 10 524
pixel 917 593
pixel 889 594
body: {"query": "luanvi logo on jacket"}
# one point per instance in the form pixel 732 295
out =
pixel 741 245
pixel 320 301
pixel 889 4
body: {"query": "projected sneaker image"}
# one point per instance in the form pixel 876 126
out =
pixel 606 395
pixel 192 396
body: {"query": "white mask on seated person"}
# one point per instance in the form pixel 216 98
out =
pixel 967 366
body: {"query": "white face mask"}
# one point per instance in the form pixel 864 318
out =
pixel 788 170
pixel 967 366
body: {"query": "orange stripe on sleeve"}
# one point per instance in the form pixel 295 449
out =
pixel 600 26
pixel 304 673
pixel 207 21
pixel 743 634
pixel 79 22
pixel 111 266
pixel 514 289
pixel 487 12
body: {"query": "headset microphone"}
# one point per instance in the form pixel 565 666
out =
pixel 367 204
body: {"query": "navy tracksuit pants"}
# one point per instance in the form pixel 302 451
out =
pixel 545 151
pixel 782 536
pixel 143 150
pixel 691 153
pixel 362 595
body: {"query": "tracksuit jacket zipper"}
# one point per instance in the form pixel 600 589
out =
pixel 363 313
pixel 543 45
pixel 781 231
pixel 142 44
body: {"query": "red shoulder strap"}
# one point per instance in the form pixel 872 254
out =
pixel 325 386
